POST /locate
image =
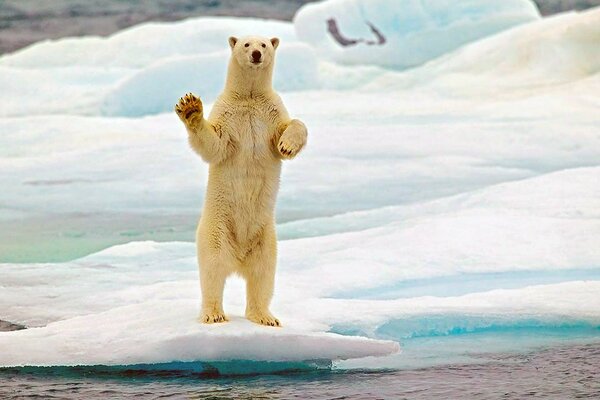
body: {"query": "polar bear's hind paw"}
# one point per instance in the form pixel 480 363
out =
pixel 264 319
pixel 212 318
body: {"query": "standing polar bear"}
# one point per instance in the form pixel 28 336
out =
pixel 244 139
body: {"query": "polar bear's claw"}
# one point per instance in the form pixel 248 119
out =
pixel 188 106
pixel 264 319
pixel 213 318
pixel 291 142
pixel 288 150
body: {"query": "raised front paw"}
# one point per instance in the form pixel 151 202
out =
pixel 290 144
pixel 189 108
pixel 212 317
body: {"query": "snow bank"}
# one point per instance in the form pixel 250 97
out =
pixel 147 313
pixel 60 90
pixel 562 195
pixel 166 331
pixel 415 273
pixel 402 34
pixel 511 227
pixel 539 55
pixel 142 70
pixel 145 69
pixel 542 224
pixel 144 44
pixel 155 89
pixel 426 148
pixel 144 295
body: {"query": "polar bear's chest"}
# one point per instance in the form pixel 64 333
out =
pixel 252 134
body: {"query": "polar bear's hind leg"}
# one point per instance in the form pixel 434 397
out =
pixel 212 281
pixel 259 271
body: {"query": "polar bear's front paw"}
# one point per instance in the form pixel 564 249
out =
pixel 212 317
pixel 263 318
pixel 189 108
pixel 290 145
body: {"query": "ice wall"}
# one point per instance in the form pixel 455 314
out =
pixel 526 59
pixel 296 69
pixel 403 34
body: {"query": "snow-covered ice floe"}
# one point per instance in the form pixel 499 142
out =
pixel 452 208
pixel 135 304
pixel 165 332
pixel 408 273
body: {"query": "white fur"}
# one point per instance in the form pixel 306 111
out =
pixel 244 139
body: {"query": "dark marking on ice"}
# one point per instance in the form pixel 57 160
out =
pixel 6 326
pixel 334 30
pixel 56 182
pixel 380 38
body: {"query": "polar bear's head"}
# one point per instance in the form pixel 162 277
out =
pixel 253 52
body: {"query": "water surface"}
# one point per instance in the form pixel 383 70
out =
pixel 556 373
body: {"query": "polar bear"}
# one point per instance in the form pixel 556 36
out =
pixel 246 136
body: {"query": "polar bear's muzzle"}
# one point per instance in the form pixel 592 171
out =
pixel 256 57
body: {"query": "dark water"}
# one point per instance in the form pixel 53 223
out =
pixel 558 373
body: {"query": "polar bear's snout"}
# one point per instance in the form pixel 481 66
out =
pixel 256 56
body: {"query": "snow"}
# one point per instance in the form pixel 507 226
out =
pixel 161 82
pixel 153 61
pixel 145 294
pixel 109 76
pixel 143 44
pixel 165 331
pixel 453 204
pixel 415 31
pixel 537 56
pixel 147 313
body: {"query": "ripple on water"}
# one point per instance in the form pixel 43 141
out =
pixel 560 372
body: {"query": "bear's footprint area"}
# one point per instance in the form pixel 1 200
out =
pixel 188 106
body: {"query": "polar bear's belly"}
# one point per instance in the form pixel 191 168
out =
pixel 245 185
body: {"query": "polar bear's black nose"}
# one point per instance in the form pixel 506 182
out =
pixel 256 56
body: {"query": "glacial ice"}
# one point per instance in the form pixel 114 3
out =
pixel 108 76
pixel 529 58
pixel 413 31
pixel 144 44
pixel 160 83
pixel 442 207
pixel 93 75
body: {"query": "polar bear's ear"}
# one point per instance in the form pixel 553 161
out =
pixel 232 41
pixel 275 42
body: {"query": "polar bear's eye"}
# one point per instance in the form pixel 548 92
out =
pixel 247 44
pixel 264 45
